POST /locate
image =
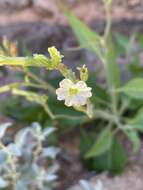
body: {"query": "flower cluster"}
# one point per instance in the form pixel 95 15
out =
pixel 24 162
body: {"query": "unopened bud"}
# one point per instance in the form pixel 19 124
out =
pixel 83 73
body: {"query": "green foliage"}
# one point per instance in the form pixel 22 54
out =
pixel 102 144
pixel 134 138
pixel 137 121
pixel 100 97
pixel 111 66
pixel 112 159
pixel 102 48
pixel 83 73
pixel 115 105
pixel 56 57
pixel 134 88
pixel 88 39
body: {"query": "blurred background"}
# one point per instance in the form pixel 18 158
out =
pixel 38 24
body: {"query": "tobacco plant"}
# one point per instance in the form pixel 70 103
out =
pixel 114 106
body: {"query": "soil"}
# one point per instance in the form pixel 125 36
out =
pixel 12 11
pixel 130 180
pixel 73 170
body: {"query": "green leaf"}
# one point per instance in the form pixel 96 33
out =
pixel 87 38
pixel 135 68
pixel 102 144
pixel 90 40
pixel 133 88
pixel 113 160
pixel 137 121
pixel 58 108
pixel 24 113
pixel 118 157
pixel 134 138
pixel 100 95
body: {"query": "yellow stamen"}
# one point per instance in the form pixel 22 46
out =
pixel 73 91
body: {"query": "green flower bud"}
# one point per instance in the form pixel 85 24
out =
pixel 83 73
pixel 56 57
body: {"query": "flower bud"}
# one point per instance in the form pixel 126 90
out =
pixel 83 73
pixel 56 57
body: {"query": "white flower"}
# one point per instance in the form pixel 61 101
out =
pixel 74 94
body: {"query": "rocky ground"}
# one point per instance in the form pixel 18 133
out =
pixel 12 11
pixel 130 180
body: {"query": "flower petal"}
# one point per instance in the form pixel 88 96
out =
pixel 61 93
pixel 66 83
pixel 86 92
pixel 79 100
pixel 81 85
pixel 68 101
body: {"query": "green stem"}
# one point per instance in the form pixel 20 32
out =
pixel 35 86
pixel 40 81
pixel 110 64
pixel 62 116
pixel 109 22
pixel 48 111
pixel 105 115
pixel 11 86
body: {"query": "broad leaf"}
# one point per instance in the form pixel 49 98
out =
pixel 90 40
pixel 100 95
pixel 87 38
pixel 133 88
pixel 102 144
pixel 137 121
pixel 113 160
pixel 118 158
pixel 134 138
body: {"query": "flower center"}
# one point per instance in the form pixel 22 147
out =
pixel 73 91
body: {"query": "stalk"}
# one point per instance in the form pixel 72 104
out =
pixel 110 64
